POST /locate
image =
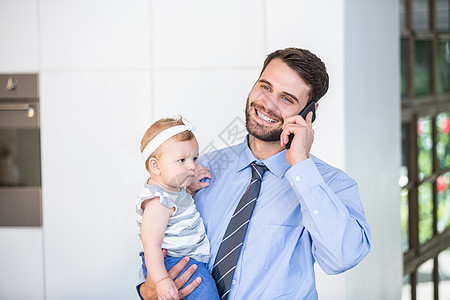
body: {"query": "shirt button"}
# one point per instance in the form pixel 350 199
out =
pixel 316 212
pixel 297 178
pixel 233 282
pixel 292 183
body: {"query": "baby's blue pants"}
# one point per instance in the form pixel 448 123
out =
pixel 207 289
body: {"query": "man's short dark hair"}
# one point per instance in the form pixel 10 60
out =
pixel 307 65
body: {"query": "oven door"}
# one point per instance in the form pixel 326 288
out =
pixel 20 155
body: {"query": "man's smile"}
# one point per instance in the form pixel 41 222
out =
pixel 264 116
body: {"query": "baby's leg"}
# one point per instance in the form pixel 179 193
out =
pixel 207 289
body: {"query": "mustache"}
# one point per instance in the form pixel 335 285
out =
pixel 271 114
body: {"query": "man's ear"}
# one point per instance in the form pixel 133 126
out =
pixel 316 106
pixel 153 166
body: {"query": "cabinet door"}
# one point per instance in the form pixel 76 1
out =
pixel 21 263
pixel 19 36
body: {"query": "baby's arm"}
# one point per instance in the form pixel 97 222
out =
pixel 154 222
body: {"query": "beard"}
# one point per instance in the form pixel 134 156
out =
pixel 260 131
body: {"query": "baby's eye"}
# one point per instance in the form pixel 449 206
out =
pixel 195 158
pixel 181 160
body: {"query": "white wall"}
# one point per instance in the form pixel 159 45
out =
pixel 21 249
pixel 372 140
pixel 95 99
pixel 110 68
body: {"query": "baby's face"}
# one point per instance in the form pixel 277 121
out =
pixel 178 163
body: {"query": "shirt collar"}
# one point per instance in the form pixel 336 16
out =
pixel 276 164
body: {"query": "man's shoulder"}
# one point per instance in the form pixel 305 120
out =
pixel 225 155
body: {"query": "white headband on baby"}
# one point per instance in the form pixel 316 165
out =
pixel 162 137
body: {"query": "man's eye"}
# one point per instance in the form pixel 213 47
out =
pixel 266 88
pixel 288 99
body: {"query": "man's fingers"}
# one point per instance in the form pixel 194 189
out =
pixel 284 138
pixel 189 288
pixel 175 270
pixel 290 120
pixel 309 118
pixel 180 281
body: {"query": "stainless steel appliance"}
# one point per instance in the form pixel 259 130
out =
pixel 20 155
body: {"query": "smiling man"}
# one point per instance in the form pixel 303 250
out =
pixel 269 223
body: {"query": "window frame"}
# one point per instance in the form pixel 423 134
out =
pixel 412 108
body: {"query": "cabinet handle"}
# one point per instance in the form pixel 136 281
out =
pixel 29 110
pixel 11 84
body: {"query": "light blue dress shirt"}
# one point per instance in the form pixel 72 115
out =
pixel 306 213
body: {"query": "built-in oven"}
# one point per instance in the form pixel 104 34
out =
pixel 20 154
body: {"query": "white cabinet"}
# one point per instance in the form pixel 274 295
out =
pixel 21 250
pixel 207 34
pixel 101 34
pixel 21 263
pixel 19 36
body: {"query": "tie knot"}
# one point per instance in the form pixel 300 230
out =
pixel 258 171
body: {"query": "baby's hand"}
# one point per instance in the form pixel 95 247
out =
pixel 197 185
pixel 166 289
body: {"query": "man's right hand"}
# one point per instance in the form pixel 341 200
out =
pixel 148 288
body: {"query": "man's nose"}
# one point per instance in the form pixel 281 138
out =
pixel 268 100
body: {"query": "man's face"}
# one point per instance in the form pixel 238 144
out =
pixel 279 93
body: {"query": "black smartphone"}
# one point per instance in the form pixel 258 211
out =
pixel 310 107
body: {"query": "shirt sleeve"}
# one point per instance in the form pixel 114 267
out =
pixel 168 202
pixel 332 214
pixel 151 193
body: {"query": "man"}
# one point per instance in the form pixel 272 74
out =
pixel 307 211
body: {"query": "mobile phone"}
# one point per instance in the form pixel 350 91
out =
pixel 310 107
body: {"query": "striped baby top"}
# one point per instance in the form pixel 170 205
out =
pixel 185 233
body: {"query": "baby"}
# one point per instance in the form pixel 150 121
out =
pixel 166 213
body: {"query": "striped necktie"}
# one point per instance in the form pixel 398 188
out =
pixel 229 249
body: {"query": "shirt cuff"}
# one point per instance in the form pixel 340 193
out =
pixel 304 175
pixel 138 288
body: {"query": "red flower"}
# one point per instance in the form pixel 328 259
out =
pixel 441 184
pixel 420 127
pixel 445 126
